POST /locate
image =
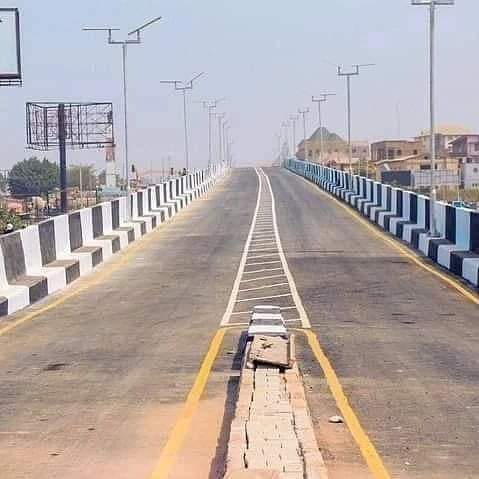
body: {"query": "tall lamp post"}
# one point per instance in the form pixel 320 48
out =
pixel 294 119
pixel 322 98
pixel 286 125
pixel 210 105
pixel 220 117
pixel 348 75
pixel 304 113
pixel 184 87
pixel 124 44
pixel 432 24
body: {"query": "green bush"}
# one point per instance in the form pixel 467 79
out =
pixel 7 218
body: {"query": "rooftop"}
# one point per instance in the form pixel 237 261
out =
pixel 448 129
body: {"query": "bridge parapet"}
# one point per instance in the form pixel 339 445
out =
pixel 42 259
pixel 405 214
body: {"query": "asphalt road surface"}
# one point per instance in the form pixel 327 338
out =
pixel 91 388
pixel 404 345
pixel 93 385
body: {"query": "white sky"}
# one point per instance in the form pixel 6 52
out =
pixel 267 57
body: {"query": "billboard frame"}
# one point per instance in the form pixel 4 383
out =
pixel 13 79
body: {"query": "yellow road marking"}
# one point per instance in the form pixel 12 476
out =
pixel 180 429
pixel 366 447
pixel 89 281
pixel 402 249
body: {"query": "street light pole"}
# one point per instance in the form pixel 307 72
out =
pixel 210 106
pixel 220 117
pixel 348 76
pixel 124 44
pixel 433 231
pixel 304 113
pixel 286 125
pixel 183 87
pixel 294 119
pixel 322 98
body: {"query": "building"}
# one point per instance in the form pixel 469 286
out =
pixel 470 175
pixel 466 149
pixel 393 149
pixel 335 150
pixel 417 163
pixel 445 178
pixel 445 135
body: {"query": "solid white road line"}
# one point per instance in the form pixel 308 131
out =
pixel 241 312
pixel 297 299
pixel 263 262
pixel 262 287
pixel 263 270
pixel 264 297
pixel 268 255
pixel 262 278
pixel 262 249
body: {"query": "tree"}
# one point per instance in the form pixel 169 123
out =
pixel 9 221
pixel 33 177
pixel 88 176
pixel 3 184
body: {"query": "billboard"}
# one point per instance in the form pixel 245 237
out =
pixel 10 60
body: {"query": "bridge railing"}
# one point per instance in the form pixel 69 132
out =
pixel 43 258
pixel 405 214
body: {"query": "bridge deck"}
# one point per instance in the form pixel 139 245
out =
pixel 94 379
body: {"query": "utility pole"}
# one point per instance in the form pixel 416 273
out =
pixel 294 119
pixel 322 98
pixel 304 113
pixel 124 44
pixel 348 76
pixel 184 87
pixel 433 231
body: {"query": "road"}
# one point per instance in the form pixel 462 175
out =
pixel 95 383
pixel 404 345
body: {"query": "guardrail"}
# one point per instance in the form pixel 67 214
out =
pixel 43 258
pixel 405 214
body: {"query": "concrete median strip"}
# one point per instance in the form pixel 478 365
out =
pixel 43 259
pixel 272 435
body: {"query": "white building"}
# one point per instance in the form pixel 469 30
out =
pixel 470 175
pixel 448 178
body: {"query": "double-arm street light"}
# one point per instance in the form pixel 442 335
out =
pixel 322 98
pixel 136 33
pixel 348 75
pixel 304 113
pixel 432 24
pixel 184 87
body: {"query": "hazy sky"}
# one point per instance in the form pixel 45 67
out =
pixel 267 57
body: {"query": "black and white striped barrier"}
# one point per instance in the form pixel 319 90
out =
pixel 406 215
pixel 42 259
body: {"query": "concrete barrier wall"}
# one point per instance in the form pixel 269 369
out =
pixel 405 214
pixel 42 259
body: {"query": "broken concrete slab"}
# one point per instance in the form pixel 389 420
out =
pixel 271 350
